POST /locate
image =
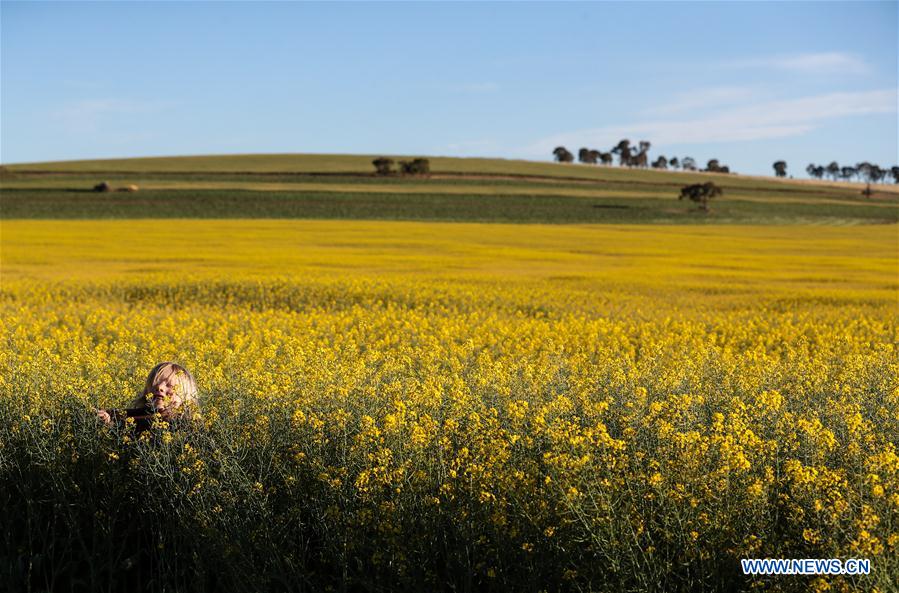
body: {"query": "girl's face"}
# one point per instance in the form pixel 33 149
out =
pixel 167 396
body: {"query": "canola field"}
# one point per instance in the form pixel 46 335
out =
pixel 468 407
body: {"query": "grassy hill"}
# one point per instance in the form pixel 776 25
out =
pixel 344 187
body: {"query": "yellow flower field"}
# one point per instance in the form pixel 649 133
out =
pixel 419 406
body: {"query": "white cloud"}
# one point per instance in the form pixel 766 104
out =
pixel 758 121
pixel 704 98
pixel 812 63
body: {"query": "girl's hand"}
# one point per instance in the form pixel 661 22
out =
pixel 104 416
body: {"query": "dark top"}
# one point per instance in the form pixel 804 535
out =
pixel 143 418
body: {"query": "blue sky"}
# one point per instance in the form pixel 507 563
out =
pixel 745 82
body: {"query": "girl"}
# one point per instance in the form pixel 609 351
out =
pixel 170 391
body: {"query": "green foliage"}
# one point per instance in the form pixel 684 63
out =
pixel 714 166
pixel 383 166
pixel 417 166
pixel 700 193
pixel 514 205
pixel 563 155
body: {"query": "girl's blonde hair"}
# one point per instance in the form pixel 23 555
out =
pixel 183 382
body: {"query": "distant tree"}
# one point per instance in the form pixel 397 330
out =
pixel 660 163
pixel 895 172
pixel 586 156
pixel 625 155
pixel 674 162
pixel 713 166
pixel 562 155
pixel 688 163
pixel 416 167
pixel 383 166
pixel 724 169
pixel 605 158
pixel 780 168
pixel 872 173
pixel 816 171
pixel 833 169
pixel 847 173
pixel 641 158
pixel 865 170
pixel 700 193
pixel 595 156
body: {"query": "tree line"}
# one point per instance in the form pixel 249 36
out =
pixel 865 171
pixel 638 156
pixel 635 156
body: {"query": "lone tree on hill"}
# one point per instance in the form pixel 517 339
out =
pixel 780 168
pixel 562 155
pixel 383 166
pixel 700 193
pixel 660 163
pixel 688 163
pixel 675 164
pixel 816 171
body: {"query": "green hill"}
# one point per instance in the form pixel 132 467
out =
pixel 458 189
